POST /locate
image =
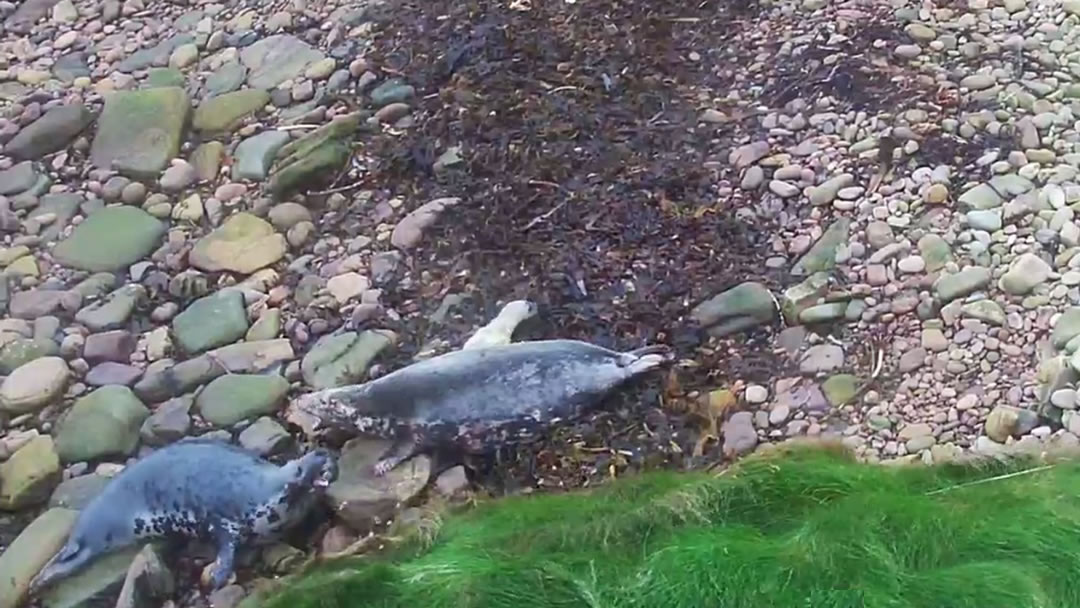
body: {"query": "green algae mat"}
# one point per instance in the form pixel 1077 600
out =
pixel 805 528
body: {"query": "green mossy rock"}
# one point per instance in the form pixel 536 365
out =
pixel 111 239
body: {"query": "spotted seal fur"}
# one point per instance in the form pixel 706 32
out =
pixel 473 400
pixel 193 489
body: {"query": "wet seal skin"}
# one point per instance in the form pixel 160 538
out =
pixel 197 490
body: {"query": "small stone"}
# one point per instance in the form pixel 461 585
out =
pixel 840 388
pixel 254 155
pixel 963 283
pixel 934 340
pixel 111 372
pixel 391 91
pixel 17 179
pixel 267 327
pixel 133 193
pixel 183 56
pixel 244 243
pixel 265 437
pixel 337 360
pixel 1064 398
pixel 29 476
pixel 103 423
pixel 739 434
pixel 178 176
pixel 1005 421
pixel 985 310
pixel 114 345
pixel 207 160
pixel 1066 327
pixel 935 252
pixel 879 234
pixel 755 394
pixel 748 154
pixel 357 496
pixel 50 133
pixel 977 82
pixel 821 358
pixel 741 307
pixel 911 264
pixel 985 219
pixel 391 113
pixel 225 112
pixel 170 422
pixel 912 360
pixel 346 286
pixel 936 194
pixel 299 234
pixel 33 385
pixel 287 215
pixel 822 255
pixel 1024 274
pixel 232 398
pixel 408 232
pixel 112 311
pixel 783 189
pixel 211 321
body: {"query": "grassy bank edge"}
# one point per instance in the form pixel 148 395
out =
pixel 803 524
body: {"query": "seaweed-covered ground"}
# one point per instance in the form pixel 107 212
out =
pixel 593 187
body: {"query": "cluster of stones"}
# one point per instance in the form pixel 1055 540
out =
pixel 973 269
pixel 152 209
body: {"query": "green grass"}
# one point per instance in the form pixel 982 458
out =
pixel 810 528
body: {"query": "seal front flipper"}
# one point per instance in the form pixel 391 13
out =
pixel 224 564
pixel 403 449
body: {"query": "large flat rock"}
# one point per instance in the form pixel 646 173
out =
pixel 50 133
pixel 103 423
pixel 28 13
pixel 277 58
pixel 94 244
pixel 140 131
pixel 244 243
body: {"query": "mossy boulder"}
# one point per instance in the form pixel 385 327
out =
pixel 95 244
pixel 138 132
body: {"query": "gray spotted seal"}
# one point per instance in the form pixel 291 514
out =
pixel 472 400
pixel 193 489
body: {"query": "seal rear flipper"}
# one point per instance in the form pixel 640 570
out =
pixel 71 557
pixel 643 359
pixel 225 562
pixel 403 449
